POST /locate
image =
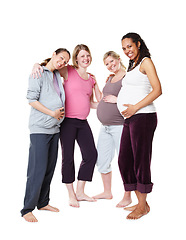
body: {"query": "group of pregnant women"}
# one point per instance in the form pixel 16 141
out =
pixel 59 110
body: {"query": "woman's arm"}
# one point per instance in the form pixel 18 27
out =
pixel 98 93
pixel 58 113
pixel 37 70
pixel 64 72
pixel 93 104
pixel 147 67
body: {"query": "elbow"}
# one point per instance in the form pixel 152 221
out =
pixel 32 102
pixel 93 105
pixel 160 91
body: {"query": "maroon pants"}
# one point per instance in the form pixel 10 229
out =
pixel 73 129
pixel 135 152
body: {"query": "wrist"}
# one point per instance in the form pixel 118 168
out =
pixel 51 113
pixel 115 99
pixel 137 107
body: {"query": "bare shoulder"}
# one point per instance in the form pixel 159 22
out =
pixel 147 65
pixel 147 62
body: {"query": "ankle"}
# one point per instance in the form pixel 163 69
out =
pixel 79 193
pixel 142 206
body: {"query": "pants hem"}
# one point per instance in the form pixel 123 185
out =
pixel 85 180
pixel 142 188
pixel 43 205
pixel 25 212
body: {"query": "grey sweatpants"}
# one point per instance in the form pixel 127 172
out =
pixel 108 143
pixel 42 161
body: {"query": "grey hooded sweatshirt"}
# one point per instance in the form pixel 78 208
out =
pixel 42 89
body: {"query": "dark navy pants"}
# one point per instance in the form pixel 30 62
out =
pixel 75 129
pixel 135 152
pixel 42 161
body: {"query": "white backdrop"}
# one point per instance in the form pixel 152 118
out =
pixel 30 32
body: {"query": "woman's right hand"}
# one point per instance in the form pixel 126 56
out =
pixel 110 99
pixel 59 113
pixel 36 71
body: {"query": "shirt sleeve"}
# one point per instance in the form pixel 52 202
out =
pixel 34 88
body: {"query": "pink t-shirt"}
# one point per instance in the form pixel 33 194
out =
pixel 77 94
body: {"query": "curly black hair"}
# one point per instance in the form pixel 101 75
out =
pixel 143 50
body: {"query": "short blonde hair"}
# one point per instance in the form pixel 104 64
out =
pixel 114 55
pixel 76 51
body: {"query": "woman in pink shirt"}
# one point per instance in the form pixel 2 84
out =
pixel 78 86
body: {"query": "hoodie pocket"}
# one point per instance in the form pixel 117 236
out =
pixel 50 122
pixel 42 120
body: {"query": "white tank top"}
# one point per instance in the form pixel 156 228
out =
pixel 135 87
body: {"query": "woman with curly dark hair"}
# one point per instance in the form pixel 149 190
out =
pixel 140 87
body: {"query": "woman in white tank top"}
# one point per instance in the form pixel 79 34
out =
pixel 135 88
pixel 140 87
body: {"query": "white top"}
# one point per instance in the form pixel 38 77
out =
pixel 135 87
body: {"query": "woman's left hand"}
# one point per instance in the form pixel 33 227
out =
pixel 131 110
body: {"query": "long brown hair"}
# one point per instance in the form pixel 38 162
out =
pixel 59 50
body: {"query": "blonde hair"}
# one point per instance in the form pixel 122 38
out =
pixel 76 51
pixel 115 56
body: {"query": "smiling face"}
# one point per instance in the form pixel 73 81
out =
pixel 60 59
pixel 130 49
pixel 112 64
pixel 83 59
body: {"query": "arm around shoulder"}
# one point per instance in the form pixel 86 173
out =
pixel 64 72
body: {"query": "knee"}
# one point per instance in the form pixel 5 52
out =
pixel 93 155
pixel 104 168
pixel 103 164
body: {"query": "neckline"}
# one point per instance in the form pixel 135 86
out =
pixel 81 77
pixel 117 81
pixel 139 64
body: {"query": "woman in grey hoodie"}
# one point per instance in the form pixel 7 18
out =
pixel 46 97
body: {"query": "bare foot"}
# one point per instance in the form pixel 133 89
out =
pixel 73 202
pixel 124 202
pixel 104 195
pixel 139 212
pixel 84 197
pixel 50 208
pixel 132 208
pixel 29 217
